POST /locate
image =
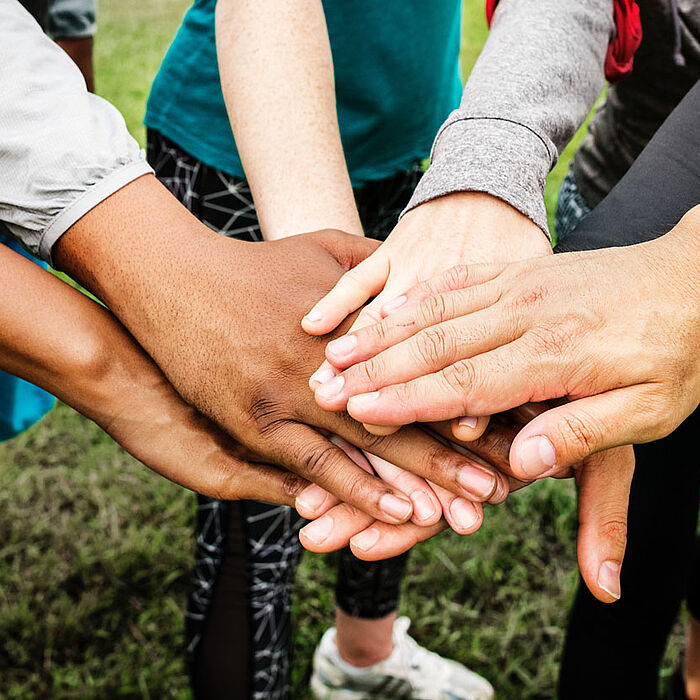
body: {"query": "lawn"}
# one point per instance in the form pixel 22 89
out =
pixel 95 550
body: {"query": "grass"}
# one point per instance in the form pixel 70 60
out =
pixel 95 551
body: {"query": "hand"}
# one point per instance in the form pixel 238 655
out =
pixel 57 338
pixel 616 331
pixel 465 227
pixel 80 50
pixel 219 317
pixel 603 482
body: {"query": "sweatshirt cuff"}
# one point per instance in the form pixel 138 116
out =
pixel 94 195
pixel 484 154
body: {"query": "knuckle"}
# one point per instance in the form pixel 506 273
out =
pixel 581 431
pixel 292 484
pixel 553 340
pixel 461 377
pixel 457 277
pixel 614 529
pixel 432 309
pixel 317 461
pixel 431 346
pixel 370 372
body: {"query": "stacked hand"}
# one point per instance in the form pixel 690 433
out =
pixel 469 228
pixel 219 317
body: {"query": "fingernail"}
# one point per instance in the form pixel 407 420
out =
pixel 423 506
pixel 314 316
pixel 464 513
pixel 537 456
pixel 394 304
pixel 396 507
pixel 468 422
pixel 477 481
pixel 609 578
pixel 363 400
pixel 312 498
pixel 322 375
pixel 318 530
pixel 366 540
pixel 331 388
pixel 343 346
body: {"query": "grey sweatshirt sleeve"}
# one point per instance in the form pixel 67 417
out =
pixel 72 19
pixel 62 149
pixel 537 77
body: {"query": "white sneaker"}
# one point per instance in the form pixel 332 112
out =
pixel 410 673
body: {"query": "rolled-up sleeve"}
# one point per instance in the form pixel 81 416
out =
pixel 63 150
pixel 72 19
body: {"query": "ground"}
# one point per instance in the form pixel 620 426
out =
pixel 95 550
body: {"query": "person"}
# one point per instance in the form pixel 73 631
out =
pixel 72 25
pixel 81 195
pixel 597 636
pixel 278 177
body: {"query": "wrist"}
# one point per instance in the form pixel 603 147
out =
pixel 497 230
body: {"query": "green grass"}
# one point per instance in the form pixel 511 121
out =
pixel 95 551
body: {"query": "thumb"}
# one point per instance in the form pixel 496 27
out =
pixel 603 498
pixel 352 290
pixel 347 248
pixel 565 435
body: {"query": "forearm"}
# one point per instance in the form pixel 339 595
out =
pixel 57 338
pixel 536 79
pixel 277 78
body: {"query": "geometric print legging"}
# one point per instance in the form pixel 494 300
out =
pixel 238 633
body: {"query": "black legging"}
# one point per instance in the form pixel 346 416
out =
pixel 614 651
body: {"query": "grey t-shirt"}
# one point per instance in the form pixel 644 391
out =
pixel 635 108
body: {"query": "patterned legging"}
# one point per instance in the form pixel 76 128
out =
pixel 238 617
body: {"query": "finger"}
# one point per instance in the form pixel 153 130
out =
pixel 431 350
pixel 313 500
pixel 469 428
pixel 426 507
pixel 493 446
pixel 362 343
pixel 603 497
pixel 333 530
pixel 464 516
pixel 457 277
pixel 489 383
pixel 303 450
pixel 424 455
pixel 352 290
pixel 569 433
pixel 381 542
pixel 381 429
pixel 231 479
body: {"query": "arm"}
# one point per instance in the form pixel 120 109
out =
pixel 275 63
pixel 72 24
pixel 57 338
pixel 482 199
pixel 625 352
pixel 196 302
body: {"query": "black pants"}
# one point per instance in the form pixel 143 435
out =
pixel 238 618
pixel 614 651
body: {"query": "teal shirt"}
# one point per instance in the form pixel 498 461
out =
pixel 397 79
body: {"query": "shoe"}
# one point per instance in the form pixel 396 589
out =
pixel 675 690
pixel 410 673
